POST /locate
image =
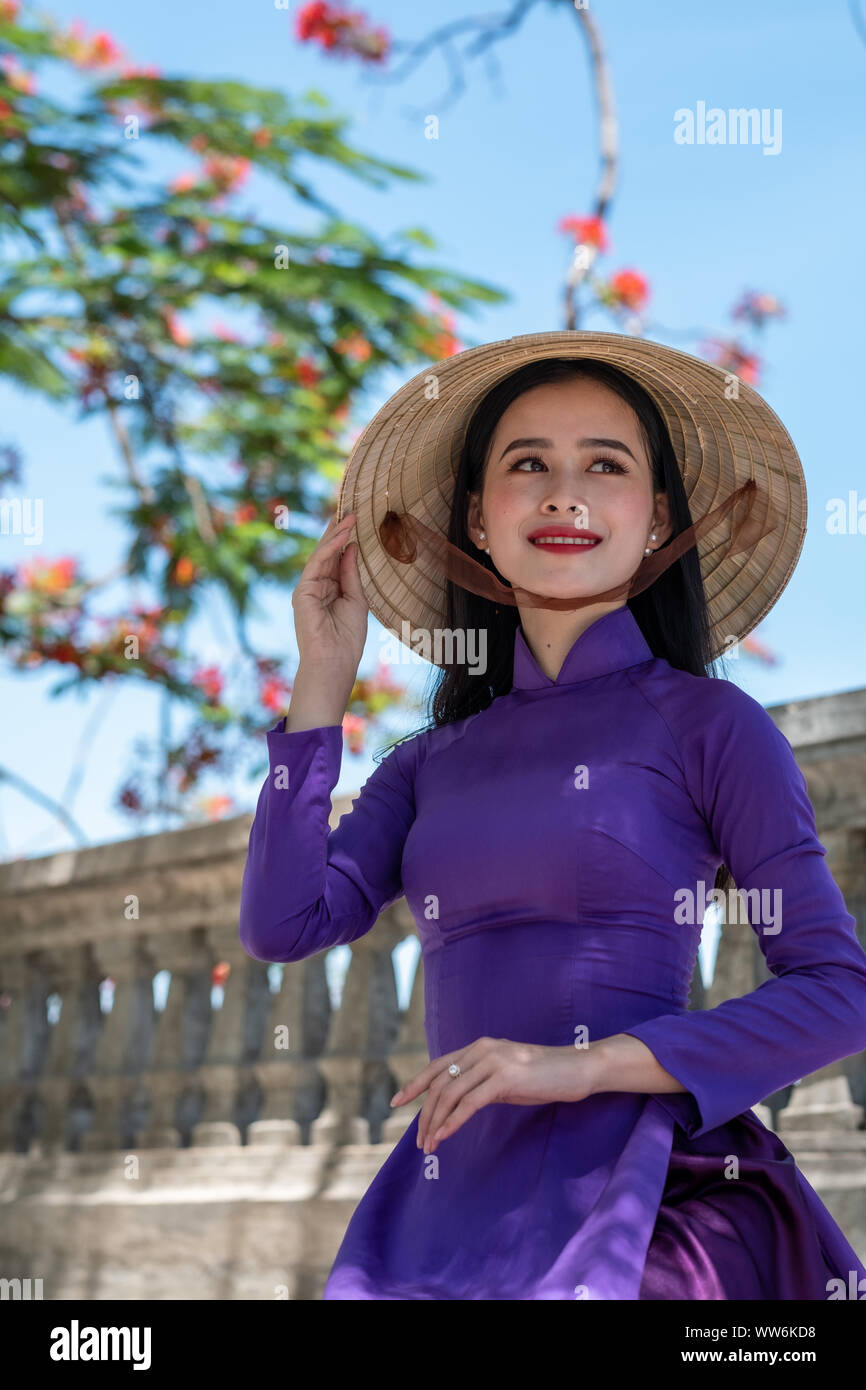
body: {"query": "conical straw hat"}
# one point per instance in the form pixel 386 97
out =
pixel 407 456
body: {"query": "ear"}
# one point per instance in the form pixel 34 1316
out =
pixel 662 524
pixel 474 520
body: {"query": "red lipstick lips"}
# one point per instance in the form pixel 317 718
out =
pixel 569 539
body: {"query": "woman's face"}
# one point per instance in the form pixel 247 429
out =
pixel 585 471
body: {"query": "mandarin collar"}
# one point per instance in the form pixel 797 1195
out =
pixel 611 643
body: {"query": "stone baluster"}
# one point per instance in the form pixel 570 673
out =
pixel 292 1037
pixel 38 985
pixel 822 1101
pixel 363 1032
pixel 408 1058
pixel 220 1076
pixel 76 981
pixel 166 1077
pixel 835 1097
pixel 13 984
pixel 109 1080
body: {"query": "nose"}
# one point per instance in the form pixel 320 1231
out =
pixel 564 495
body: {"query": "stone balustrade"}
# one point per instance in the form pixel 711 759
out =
pixel 262 1058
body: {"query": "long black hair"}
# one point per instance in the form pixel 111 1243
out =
pixel 672 613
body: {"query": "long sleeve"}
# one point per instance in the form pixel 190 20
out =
pixel 742 774
pixel 306 887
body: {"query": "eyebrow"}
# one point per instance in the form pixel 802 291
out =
pixel 593 442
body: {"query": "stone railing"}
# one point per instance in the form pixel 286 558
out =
pixel 260 1061
pixel 259 1056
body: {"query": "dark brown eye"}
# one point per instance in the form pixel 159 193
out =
pixel 531 458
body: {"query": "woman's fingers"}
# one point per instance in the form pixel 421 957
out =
pixel 444 1095
pixel 421 1080
pixel 350 577
pixel 329 543
pixel 321 559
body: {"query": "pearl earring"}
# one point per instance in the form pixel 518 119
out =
pixel 481 536
pixel 648 550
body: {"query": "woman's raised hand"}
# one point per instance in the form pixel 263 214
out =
pixel 330 609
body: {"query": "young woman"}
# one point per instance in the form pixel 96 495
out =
pixel 559 828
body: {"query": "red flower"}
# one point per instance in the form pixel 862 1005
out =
pixel 176 330
pixel 131 70
pixel 355 346
pixel 184 571
pixel 183 182
pixel 443 342
pixel 307 372
pixel 273 694
pixel 210 680
pixel 104 50
pixel 587 231
pixel 629 289
pixel 310 19
pixel 341 31
pixel 226 171
pixel 353 729
pixel 97 52
pixel 64 652
pixel 48 577
pixel 754 647
pixel 733 358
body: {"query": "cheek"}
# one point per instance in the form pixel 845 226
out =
pixel 630 521
pixel 503 505
pixel 504 516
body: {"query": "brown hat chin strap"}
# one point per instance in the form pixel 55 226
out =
pixel 405 538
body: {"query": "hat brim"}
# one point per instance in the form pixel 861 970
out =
pixel 411 448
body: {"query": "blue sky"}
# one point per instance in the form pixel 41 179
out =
pixel 516 152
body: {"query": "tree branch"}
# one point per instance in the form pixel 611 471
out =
pixel 608 132
pixel 490 29
pixel 47 802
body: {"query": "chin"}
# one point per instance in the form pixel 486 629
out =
pixel 584 584
pixel 565 587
